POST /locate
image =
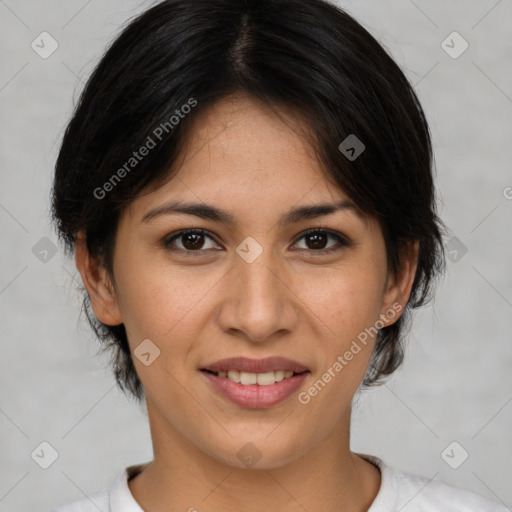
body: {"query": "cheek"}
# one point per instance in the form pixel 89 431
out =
pixel 163 308
pixel 153 298
pixel 350 311
pixel 345 309
pixel 346 300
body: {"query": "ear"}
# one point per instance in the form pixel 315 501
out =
pixel 398 288
pixel 98 284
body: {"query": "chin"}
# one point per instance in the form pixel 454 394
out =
pixel 258 452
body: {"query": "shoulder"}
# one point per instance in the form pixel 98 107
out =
pixel 97 501
pixel 425 494
pixel 116 498
pixel 412 493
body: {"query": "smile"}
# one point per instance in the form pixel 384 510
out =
pixel 255 396
pixel 262 379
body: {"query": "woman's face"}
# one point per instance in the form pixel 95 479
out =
pixel 253 287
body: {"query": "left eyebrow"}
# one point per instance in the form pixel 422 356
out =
pixel 205 211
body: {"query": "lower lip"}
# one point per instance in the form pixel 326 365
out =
pixel 254 396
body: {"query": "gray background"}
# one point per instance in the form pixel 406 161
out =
pixel 456 384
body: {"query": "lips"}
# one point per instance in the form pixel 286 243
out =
pixel 244 364
pixel 254 396
pixel 255 383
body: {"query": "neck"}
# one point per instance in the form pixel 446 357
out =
pixel 184 477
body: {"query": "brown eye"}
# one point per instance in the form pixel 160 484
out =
pixel 190 241
pixel 316 241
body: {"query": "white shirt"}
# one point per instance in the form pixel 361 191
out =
pixel 399 491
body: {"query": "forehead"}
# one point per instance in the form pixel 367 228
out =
pixel 239 133
pixel 243 155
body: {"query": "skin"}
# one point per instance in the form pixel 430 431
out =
pixel 291 301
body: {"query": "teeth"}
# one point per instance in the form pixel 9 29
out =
pixel 234 375
pixel 248 378
pixel 263 379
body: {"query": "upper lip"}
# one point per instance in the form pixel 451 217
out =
pixel 244 364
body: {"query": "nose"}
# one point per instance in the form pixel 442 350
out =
pixel 259 301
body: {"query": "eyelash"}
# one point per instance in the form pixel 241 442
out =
pixel 342 241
